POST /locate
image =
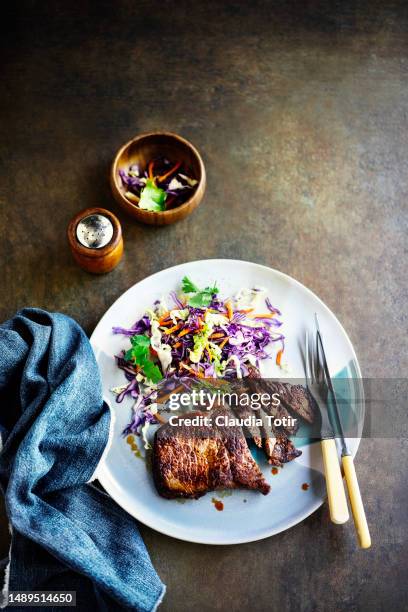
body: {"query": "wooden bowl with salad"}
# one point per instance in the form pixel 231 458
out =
pixel 158 178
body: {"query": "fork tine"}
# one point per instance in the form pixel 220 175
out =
pixel 319 356
pixel 307 358
pixel 318 362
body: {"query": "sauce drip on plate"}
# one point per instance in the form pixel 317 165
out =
pixel 218 505
pixel 133 445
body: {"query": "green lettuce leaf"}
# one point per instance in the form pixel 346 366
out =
pixel 152 197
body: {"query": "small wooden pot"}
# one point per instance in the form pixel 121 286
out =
pixel 140 151
pixel 97 260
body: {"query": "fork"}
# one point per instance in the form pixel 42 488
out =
pixel 317 387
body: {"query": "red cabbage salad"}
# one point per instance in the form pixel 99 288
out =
pixel 194 334
pixel 161 186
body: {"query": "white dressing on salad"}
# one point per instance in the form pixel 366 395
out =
pixel 162 308
pixel 118 390
pixel 163 350
pixel 181 315
pixel 212 318
pixel 234 359
pixel 144 430
pixel 250 298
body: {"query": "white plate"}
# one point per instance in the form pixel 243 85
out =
pixel 247 516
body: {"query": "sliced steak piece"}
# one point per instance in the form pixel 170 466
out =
pixel 280 412
pixel 190 461
pixel 254 432
pixel 296 399
pixel 282 451
pixel 261 385
pixel 277 446
pixel 245 471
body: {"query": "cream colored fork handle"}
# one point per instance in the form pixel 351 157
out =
pixel 334 483
pixel 356 502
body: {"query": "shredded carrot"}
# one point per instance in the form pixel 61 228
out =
pixel 164 317
pixel 163 177
pixel 229 309
pixel 246 310
pixel 186 367
pixel 279 357
pixel 200 322
pixel 268 315
pixel 224 342
pixel 217 335
pixel 173 329
pixel 150 167
pixel 159 418
pixel 184 332
pixel 177 345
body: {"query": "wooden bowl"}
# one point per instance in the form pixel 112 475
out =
pixel 140 151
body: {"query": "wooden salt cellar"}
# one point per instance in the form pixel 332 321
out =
pixel 95 239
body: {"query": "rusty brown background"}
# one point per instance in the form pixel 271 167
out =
pixel 300 110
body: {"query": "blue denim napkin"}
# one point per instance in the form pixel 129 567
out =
pixel 66 534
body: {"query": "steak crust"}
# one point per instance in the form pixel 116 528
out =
pixel 188 461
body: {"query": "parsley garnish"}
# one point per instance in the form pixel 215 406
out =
pixel 139 354
pixel 188 286
pixel 199 299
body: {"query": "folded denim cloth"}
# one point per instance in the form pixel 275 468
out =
pixel 54 426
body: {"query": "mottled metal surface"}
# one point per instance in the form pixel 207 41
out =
pixel 94 231
pixel 301 113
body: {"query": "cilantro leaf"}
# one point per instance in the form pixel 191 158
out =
pixel 188 286
pixel 140 341
pixel 139 354
pixel 152 197
pixel 211 289
pixel 200 299
pixel 152 371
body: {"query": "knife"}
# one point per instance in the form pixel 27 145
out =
pixel 317 387
pixel 356 502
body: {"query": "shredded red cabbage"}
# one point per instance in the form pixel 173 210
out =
pixel 241 338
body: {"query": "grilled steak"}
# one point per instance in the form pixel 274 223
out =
pixel 253 431
pixel 294 398
pixel 189 461
pixel 280 450
pixel 297 399
pixel 277 446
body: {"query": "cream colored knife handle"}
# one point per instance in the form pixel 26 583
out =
pixel 356 502
pixel 334 483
